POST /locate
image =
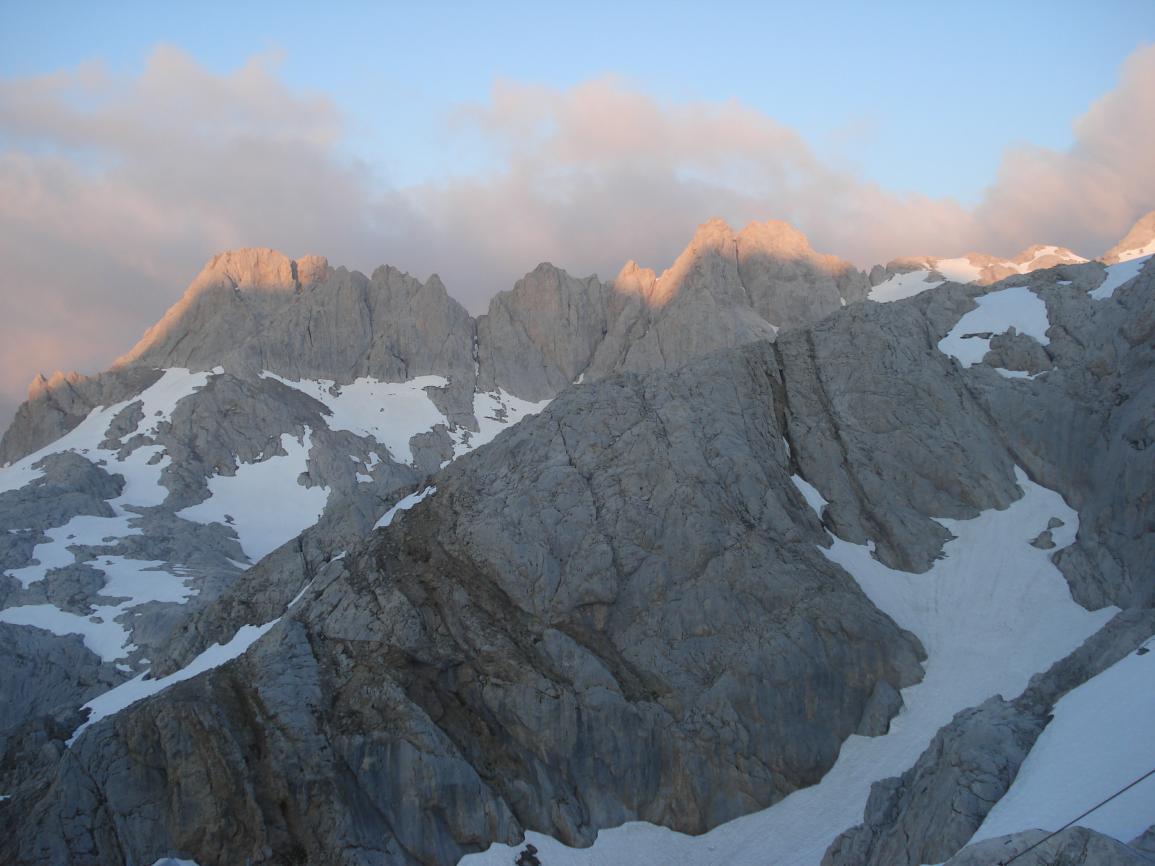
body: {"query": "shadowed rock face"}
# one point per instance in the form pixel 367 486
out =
pixel 1075 846
pixel 619 610
pixel 930 812
pixel 725 289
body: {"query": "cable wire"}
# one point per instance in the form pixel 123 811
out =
pixel 1150 772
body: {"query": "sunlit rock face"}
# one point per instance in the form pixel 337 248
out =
pixel 1138 242
pixel 726 289
pixel 253 310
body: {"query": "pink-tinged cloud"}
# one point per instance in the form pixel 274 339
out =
pixel 114 191
pixel 1088 196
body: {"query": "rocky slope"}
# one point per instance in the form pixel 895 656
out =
pixel 636 605
pixel 154 507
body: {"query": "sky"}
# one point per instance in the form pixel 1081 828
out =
pixel 476 140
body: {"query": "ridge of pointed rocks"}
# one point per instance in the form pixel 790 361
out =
pixel 394 608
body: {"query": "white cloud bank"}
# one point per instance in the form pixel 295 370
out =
pixel 113 192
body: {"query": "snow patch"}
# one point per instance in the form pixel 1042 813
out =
pixel 958 270
pixel 1018 307
pixel 390 412
pixel 494 411
pixel 263 501
pixel 1117 275
pixel 903 286
pixel 810 493
pixel 403 505
pixel 991 613
pixel 1018 374
pixel 140 687
pixel 1099 741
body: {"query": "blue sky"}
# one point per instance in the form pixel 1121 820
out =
pixel 476 140
pixel 865 83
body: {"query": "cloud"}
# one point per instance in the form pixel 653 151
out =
pixel 1088 196
pixel 113 191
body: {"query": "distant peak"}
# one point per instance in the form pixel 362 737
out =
pixel 777 237
pixel 259 269
pixel 41 385
pixel 1139 241
pixel 711 234
pixel 1046 255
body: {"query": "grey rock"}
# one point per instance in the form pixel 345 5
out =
pixel 1145 842
pixel 577 637
pixel 884 704
pixel 1044 540
pixel 725 289
pixel 929 813
pixel 255 309
pixel 1140 235
pixel 1015 351
pixel 70 486
pixel 967 767
pixel 1075 846
pixel 1079 428
pixel 57 404
pixel 43 672
pixel 538 338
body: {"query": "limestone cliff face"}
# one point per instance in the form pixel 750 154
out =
pixel 725 289
pixel 255 309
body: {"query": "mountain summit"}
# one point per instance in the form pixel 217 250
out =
pixel 1138 242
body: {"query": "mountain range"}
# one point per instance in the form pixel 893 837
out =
pixel 762 559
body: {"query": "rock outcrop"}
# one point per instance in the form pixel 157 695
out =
pixel 256 310
pixel 1075 846
pixel 929 813
pixel 1139 241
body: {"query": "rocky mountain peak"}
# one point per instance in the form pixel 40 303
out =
pixel 633 279
pixel 41 385
pixel 777 238
pixel 1139 241
pixel 259 269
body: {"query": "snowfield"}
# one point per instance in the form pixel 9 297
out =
pixel 1117 275
pixel 136 582
pixel 902 286
pixel 390 412
pixel 1102 738
pixel 991 613
pixel 1018 307
pixel 264 502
